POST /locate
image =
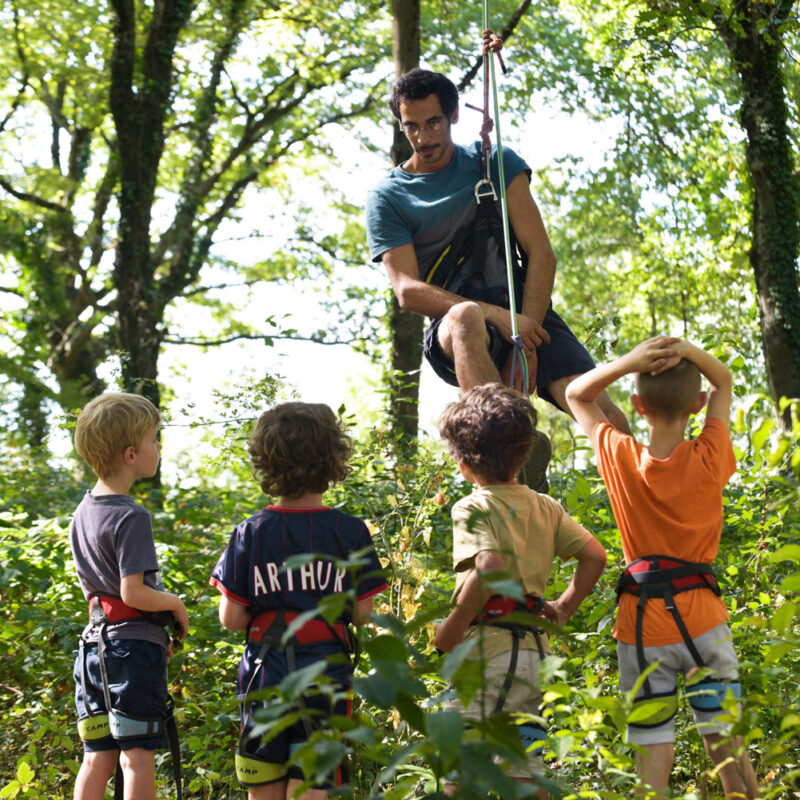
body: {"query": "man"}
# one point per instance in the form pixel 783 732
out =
pixel 418 210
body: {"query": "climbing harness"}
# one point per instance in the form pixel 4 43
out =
pixel 664 577
pixel 519 618
pixel 107 610
pixel 269 630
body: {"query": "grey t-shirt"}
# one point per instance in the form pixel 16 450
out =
pixel 111 537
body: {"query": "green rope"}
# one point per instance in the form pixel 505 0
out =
pixel 518 352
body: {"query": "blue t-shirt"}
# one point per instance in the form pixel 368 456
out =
pixel 425 210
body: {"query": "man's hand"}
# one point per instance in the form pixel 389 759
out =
pixel 530 332
pixel 655 355
pixel 491 41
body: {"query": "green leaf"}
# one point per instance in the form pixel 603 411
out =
pixel 791 583
pixel 386 648
pixel 777 651
pixel 25 773
pixel 783 617
pixel 788 552
pixel 446 731
pixel 761 434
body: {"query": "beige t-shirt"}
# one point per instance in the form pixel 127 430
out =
pixel 528 530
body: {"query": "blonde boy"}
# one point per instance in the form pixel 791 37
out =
pixel 115 558
pixel 667 499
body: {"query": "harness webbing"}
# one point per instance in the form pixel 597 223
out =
pixel 664 577
pixel 489 76
pixel 105 610
pixel 503 612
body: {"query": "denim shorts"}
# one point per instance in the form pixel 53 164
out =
pixel 313 708
pixel 561 357
pixel 137 682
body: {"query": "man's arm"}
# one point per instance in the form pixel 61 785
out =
pixel 470 599
pixel 528 226
pixel 424 298
pixel 655 355
pixel 591 563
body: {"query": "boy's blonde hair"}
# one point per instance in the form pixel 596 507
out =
pixel 672 393
pixel 299 448
pixel 108 425
pixel 490 429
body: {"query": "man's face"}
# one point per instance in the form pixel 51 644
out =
pixel 428 131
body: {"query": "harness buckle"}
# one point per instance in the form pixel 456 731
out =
pixel 484 188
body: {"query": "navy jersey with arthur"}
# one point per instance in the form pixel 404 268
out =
pixel 252 571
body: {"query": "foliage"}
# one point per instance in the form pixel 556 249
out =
pixel 400 742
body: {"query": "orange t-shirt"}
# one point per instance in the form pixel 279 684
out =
pixel 670 507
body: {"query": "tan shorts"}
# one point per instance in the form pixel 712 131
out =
pixel 523 696
pixel 716 650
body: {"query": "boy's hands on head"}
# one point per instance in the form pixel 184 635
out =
pixel 655 355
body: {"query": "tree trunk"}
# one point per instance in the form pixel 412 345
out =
pixel 405 327
pixel 756 52
pixel 139 114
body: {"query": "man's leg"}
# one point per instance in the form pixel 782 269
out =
pixel 735 771
pixel 463 338
pixel 558 391
pixel 653 766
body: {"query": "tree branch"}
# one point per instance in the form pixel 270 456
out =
pixel 30 198
pixel 258 337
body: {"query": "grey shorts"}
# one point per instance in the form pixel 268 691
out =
pixel 523 696
pixel 561 357
pixel 716 650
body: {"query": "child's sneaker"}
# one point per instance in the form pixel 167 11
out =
pixel 534 470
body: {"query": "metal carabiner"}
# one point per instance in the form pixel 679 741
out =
pixel 484 188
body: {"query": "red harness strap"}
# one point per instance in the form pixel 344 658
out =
pixel 497 607
pixel 313 630
pixel 114 609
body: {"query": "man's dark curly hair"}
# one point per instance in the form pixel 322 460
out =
pixel 490 430
pixel 297 448
pixel 421 83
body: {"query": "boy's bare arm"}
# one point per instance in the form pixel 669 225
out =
pixel 233 616
pixel 470 599
pixel 651 356
pixel 136 594
pixel 362 610
pixel 717 374
pixel 591 563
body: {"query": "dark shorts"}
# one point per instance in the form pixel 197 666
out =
pixel 562 356
pixel 312 709
pixel 137 681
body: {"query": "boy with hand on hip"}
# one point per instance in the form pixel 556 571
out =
pixel 506 526
pixel 286 561
pixel 121 670
pixel 667 500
